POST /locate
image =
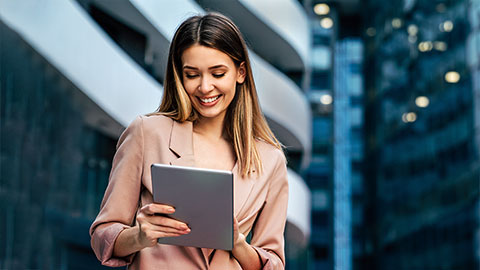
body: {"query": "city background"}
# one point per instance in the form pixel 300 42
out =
pixel 377 103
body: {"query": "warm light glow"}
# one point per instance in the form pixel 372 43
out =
pixel 396 23
pixel 321 9
pixel 412 30
pixel 440 46
pixel 326 23
pixel 371 32
pixel 326 99
pixel 425 46
pixel 452 77
pixel 446 26
pixel 422 101
pixel 411 117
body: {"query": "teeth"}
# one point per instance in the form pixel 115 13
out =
pixel 208 100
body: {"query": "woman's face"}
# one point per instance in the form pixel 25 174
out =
pixel 210 78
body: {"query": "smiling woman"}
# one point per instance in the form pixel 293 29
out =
pixel 209 117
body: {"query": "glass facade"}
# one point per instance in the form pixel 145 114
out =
pixel 336 172
pixel 342 180
pixel 54 165
pixel 422 123
pixel 348 153
pixel 320 173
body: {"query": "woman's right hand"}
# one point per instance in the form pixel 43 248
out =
pixel 153 224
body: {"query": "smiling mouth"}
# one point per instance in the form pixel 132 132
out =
pixel 209 100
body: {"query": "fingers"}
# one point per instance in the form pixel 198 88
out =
pixel 166 229
pixel 167 222
pixel 149 233
pixel 155 235
pixel 149 214
pixel 149 237
pixel 155 208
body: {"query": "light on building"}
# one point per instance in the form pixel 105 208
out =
pixel 409 117
pixel 326 99
pixel 452 77
pixel 396 23
pixel 321 9
pixel 422 101
pixel 412 30
pixel 371 32
pixel 446 26
pixel 326 23
pixel 440 46
pixel 425 46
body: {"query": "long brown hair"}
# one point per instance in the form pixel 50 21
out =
pixel 244 121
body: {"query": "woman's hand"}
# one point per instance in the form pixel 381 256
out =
pixel 238 238
pixel 245 254
pixel 153 224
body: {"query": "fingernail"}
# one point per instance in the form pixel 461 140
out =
pixel 171 209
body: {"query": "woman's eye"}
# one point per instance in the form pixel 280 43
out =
pixel 191 75
pixel 218 75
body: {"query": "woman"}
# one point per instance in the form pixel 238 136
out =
pixel 209 117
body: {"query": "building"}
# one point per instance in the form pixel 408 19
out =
pixel 75 73
pixel 336 171
pixel 422 122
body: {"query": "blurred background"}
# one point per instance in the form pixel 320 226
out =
pixel 378 103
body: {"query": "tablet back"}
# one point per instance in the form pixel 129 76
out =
pixel 202 198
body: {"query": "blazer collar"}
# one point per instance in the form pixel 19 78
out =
pixel 181 143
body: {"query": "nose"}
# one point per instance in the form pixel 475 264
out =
pixel 205 85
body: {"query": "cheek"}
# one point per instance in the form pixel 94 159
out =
pixel 189 87
pixel 228 86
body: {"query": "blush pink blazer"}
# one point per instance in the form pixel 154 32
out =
pixel 260 203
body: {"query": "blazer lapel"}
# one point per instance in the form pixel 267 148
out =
pixel 242 189
pixel 181 143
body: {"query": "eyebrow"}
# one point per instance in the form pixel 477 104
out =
pixel 212 67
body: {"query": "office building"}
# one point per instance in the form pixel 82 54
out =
pixel 422 73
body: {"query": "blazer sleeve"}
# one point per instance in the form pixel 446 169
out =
pixel 267 235
pixel 121 199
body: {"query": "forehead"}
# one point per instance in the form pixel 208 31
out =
pixel 202 56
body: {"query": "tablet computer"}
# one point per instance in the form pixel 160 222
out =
pixel 202 198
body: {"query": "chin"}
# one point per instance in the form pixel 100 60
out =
pixel 206 114
pixel 209 115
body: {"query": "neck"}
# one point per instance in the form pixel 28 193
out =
pixel 209 127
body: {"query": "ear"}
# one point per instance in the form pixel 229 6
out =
pixel 241 73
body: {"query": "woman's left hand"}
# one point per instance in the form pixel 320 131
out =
pixel 246 255
pixel 238 238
